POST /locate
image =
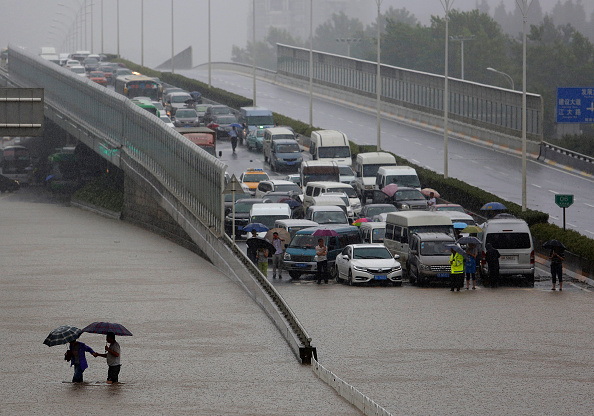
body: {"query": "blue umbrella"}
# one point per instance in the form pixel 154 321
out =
pixel 258 227
pixel 460 225
pixel 239 126
pixel 493 206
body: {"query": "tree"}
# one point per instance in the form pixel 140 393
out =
pixel 265 50
pixel 337 27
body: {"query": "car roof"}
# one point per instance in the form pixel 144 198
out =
pixel 326 207
pixel 285 141
pixel 280 182
pixel 368 245
pixel 335 227
pixel 434 236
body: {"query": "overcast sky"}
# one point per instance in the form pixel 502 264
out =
pixel 29 23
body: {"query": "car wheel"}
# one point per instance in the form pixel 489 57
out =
pixel 529 280
pixel 333 272
pixel 294 274
pixel 411 277
pixel 350 280
pixel 337 274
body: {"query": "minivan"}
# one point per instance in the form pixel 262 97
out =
pixel 327 214
pixel 319 170
pixel 400 175
pixel 294 225
pixel 366 167
pixel 271 134
pixel 400 225
pixel 511 237
pixel 314 189
pixel 373 232
pixel 299 256
pixel 267 213
pixel 429 257
pixel 284 154
pixel 330 145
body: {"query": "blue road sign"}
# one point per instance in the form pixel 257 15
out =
pixel 575 105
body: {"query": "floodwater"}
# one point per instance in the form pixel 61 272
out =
pixel 201 346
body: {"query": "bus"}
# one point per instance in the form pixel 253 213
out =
pixel 133 86
pixel 16 164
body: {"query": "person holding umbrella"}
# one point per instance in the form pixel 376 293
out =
pixel 77 358
pixel 233 136
pixel 252 250
pixel 556 257
pixel 112 355
pixel 322 261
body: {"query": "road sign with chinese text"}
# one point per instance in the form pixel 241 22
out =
pixel 563 201
pixel 575 105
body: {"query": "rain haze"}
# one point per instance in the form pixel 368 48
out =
pixel 36 23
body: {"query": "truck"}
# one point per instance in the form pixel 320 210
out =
pixel 319 170
pixel 202 137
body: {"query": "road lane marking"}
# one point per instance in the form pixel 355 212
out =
pixel 538 186
pixel 416 162
pixel 579 287
pixel 571 225
pixel 588 231
pixel 591 206
pixel 553 192
pixel 553 217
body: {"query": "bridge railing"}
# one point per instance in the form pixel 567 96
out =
pixel 480 106
pixel 196 177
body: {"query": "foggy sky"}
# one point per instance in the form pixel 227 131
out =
pixel 28 23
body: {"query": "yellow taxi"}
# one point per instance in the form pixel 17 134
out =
pixel 252 177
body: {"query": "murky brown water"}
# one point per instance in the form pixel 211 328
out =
pixel 201 346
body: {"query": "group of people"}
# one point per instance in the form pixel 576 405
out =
pixel 76 355
pixel 463 266
pixel 259 255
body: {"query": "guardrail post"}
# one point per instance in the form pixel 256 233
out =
pixel 305 354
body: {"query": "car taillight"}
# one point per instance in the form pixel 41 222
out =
pixel 532 257
pixel 484 258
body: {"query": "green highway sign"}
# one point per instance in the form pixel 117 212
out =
pixel 563 201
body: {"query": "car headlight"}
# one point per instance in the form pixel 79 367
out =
pixel 287 256
pixel 357 206
pixel 397 268
pixel 405 206
pixel 359 268
pixel 368 186
pixel 424 267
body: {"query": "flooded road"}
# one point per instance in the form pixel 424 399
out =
pixel 201 346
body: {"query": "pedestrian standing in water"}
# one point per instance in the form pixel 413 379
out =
pixel 470 265
pixel 492 257
pixel 277 258
pixel 262 255
pixel 112 355
pixel 322 261
pixel 252 251
pixel 456 270
pixel 556 257
pixel 77 358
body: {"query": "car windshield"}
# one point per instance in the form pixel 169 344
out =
pixel 435 248
pixel 96 74
pixel 371 253
pixel 411 181
pixel 288 188
pixel 347 190
pixel 330 217
pixel 124 72
pixel 332 152
pixel 189 113
pixel 244 206
pixel 158 105
pixel 180 98
pixel 276 197
pixel 226 119
pixel 90 61
pixel 201 108
pixel 166 119
pixel 79 70
pixel 255 177
pixel 378 235
pixel 288 148
pixel 447 229
pixel 340 195
pixel 221 110
pixel 346 171
pixel 304 241
pixel 408 195
pixel 268 220
pixel 373 211
pixel 284 137
pixel 458 208
pixel 371 170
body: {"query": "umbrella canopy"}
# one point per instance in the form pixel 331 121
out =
pixel 390 189
pixel 554 244
pixel 493 206
pixel 427 192
pixel 459 225
pixel 469 240
pixel 291 202
pixel 360 221
pixel 237 125
pixel 324 232
pixel 212 125
pixel 472 229
pixel 457 248
pixel 282 234
pixel 257 242
pixel 105 327
pixel 62 335
pixel 255 226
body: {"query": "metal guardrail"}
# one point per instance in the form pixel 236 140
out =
pixel 117 125
pixel 566 157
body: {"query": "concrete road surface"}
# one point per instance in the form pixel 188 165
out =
pixel 201 346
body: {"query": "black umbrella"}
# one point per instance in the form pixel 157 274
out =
pixel 554 244
pixel 257 242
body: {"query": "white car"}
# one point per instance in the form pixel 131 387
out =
pixel 166 120
pixel 362 263
pixel 78 70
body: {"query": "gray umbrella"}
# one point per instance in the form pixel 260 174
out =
pixel 62 335
pixel 457 248
pixel 469 240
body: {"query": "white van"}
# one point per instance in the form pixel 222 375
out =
pixel 399 225
pixel 326 214
pixel 294 225
pixel 268 214
pixel 271 134
pixel 334 200
pixel 400 175
pixel 314 189
pixel 330 145
pixel 511 237
pixel 366 167
pixel 373 232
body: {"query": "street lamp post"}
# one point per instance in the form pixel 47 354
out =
pixel 141 32
pixel 254 48
pixel 447 5
pixel 509 78
pixel 172 42
pixel 348 41
pixel 462 39
pixel 311 63
pixel 209 59
pixel 118 23
pixel 524 6
pixel 378 81
pixel 102 50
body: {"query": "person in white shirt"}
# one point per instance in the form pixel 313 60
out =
pixel 432 201
pixel 277 258
pixel 113 358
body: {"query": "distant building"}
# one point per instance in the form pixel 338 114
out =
pixel 293 15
